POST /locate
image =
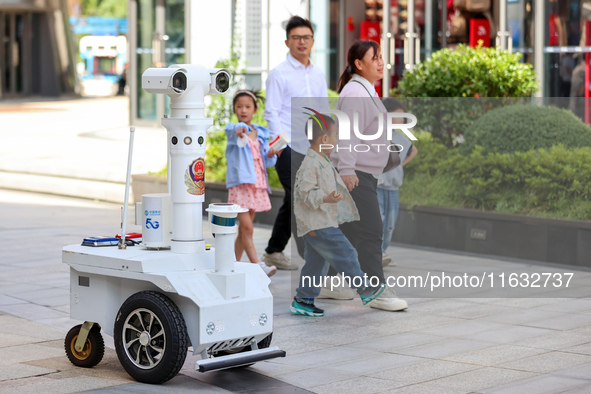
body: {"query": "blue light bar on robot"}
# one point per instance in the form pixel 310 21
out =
pixel 220 221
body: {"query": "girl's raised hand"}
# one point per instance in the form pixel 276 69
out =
pixel 271 152
pixel 241 132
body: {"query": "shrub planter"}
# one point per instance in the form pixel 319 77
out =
pixel 466 230
pixel 214 192
pixel 147 184
pixel 515 236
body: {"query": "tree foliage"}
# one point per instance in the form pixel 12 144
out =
pixel 106 8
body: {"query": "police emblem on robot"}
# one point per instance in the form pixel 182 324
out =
pixel 195 177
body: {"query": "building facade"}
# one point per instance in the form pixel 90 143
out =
pixel 549 34
pixel 165 32
pixel 36 49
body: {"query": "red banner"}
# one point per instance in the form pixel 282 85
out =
pixel 370 31
pixel 479 31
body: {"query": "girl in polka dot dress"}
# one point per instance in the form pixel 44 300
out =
pixel 248 154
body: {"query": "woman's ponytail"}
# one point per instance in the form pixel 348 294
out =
pixel 345 78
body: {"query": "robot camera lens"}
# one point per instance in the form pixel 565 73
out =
pixel 179 82
pixel 222 82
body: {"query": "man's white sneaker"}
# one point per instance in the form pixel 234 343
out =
pixel 270 271
pixel 386 260
pixel 279 260
pixel 389 301
pixel 337 293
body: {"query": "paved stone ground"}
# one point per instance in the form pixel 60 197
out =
pixel 74 147
pixel 443 345
pixel 469 340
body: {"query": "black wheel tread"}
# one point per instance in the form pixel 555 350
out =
pixel 179 334
pixel 181 351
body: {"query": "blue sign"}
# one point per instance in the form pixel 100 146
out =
pixel 98 25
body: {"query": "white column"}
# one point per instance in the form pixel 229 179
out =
pixel 428 28
pixel 539 34
pixel 503 23
pixel 444 25
pixel 386 37
pixel 410 42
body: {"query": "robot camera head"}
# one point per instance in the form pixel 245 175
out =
pixel 171 81
pixel 220 80
pixel 180 78
pixel 179 82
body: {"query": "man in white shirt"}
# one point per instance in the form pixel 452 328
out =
pixel 295 77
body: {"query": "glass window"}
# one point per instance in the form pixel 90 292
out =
pixel 324 15
pixel 6 67
pixel 18 52
pixel 146 25
pixel 175 30
pixel 564 33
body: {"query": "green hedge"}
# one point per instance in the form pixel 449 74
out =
pixel 470 72
pixel 460 75
pixel 520 128
pixel 550 182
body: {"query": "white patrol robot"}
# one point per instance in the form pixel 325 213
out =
pixel 173 292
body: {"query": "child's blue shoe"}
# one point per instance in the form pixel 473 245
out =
pixel 300 307
pixel 371 294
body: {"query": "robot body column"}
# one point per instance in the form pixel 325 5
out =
pixel 187 153
pixel 187 85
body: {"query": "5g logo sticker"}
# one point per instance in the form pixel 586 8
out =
pixel 150 224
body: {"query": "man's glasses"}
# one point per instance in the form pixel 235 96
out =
pixel 306 38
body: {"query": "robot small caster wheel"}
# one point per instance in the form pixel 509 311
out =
pixel 150 337
pixel 92 351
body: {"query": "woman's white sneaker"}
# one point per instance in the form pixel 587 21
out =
pixel 389 301
pixel 269 270
pixel 279 260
